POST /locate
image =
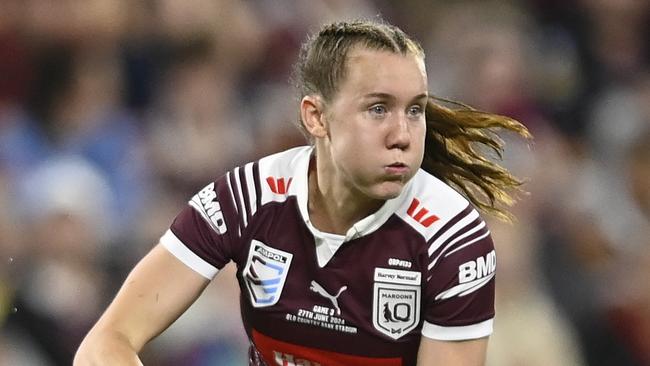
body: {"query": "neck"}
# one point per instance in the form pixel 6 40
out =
pixel 334 206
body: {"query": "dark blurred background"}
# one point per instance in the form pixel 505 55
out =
pixel 114 112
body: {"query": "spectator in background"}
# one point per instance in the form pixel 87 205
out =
pixel 64 202
pixel 198 115
pixel 530 330
pixel 629 305
pixel 82 115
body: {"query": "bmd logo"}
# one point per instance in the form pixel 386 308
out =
pixel 205 202
pixel 472 275
pixel 479 268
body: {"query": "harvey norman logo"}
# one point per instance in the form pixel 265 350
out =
pixel 472 275
pixel 397 276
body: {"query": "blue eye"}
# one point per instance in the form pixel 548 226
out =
pixel 378 109
pixel 415 111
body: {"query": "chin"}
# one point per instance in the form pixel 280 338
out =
pixel 388 190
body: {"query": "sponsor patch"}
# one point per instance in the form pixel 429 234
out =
pixel 265 273
pixel 472 275
pixel 396 301
pixel 205 203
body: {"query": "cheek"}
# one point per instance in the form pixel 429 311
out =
pixel 350 139
pixel 355 153
pixel 418 136
pixel 416 155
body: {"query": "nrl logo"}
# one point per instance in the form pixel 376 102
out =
pixel 265 272
pixel 396 301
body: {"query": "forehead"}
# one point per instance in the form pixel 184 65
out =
pixel 372 71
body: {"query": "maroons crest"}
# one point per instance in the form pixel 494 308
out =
pixel 396 301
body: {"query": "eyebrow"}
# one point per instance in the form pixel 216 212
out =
pixel 392 97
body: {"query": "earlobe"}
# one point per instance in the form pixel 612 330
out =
pixel 312 115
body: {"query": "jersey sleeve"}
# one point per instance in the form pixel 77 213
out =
pixel 460 289
pixel 204 232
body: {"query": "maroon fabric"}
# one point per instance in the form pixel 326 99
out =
pixel 279 226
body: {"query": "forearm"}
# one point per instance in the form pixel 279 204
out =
pixel 158 290
pixel 452 353
pixel 106 348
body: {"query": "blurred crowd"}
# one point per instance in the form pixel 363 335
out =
pixel 114 112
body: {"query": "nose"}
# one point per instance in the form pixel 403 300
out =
pixel 399 136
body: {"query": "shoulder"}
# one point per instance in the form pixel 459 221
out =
pixel 217 215
pixel 437 193
pixel 276 171
pixel 242 190
pixel 271 174
pixel 251 186
pixel 430 205
pixel 285 161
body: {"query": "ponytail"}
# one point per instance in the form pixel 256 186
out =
pixel 455 153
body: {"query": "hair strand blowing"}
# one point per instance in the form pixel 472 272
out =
pixel 455 153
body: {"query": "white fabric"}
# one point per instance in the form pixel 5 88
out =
pixel 326 245
pixel 185 255
pixel 361 228
pixel 473 331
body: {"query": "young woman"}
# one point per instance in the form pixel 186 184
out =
pixel 351 251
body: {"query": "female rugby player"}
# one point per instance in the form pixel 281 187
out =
pixel 355 250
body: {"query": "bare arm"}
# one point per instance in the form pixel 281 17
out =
pixel 452 353
pixel 158 290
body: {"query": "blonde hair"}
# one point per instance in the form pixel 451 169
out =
pixel 454 136
pixel 455 153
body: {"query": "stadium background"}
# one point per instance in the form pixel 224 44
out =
pixel 114 112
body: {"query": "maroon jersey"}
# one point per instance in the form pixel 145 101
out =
pixel 422 265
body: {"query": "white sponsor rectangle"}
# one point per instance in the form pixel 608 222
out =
pixel 389 275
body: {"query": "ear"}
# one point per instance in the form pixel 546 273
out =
pixel 313 116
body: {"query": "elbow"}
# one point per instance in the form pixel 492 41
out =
pixel 87 351
pixel 105 347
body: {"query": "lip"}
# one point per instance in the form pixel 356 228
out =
pixel 397 169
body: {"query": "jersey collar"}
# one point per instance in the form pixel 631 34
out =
pixel 362 227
